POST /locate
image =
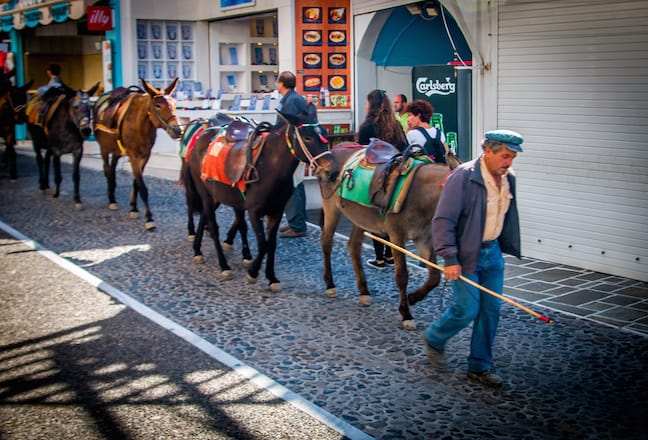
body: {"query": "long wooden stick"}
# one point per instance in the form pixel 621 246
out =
pixel 461 277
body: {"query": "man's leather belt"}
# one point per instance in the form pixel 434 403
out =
pixel 487 244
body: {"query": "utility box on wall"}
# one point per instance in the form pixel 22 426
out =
pixel 448 89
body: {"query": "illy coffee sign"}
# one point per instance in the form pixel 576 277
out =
pixel 99 18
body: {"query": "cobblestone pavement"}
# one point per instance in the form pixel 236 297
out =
pixel 577 378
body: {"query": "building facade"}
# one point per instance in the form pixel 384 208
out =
pixel 570 76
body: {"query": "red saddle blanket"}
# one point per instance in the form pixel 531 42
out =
pixel 214 163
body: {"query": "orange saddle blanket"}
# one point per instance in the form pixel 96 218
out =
pixel 214 165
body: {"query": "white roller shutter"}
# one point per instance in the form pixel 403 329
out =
pixel 573 79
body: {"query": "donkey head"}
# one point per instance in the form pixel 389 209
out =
pixel 80 109
pixel 163 108
pixel 306 139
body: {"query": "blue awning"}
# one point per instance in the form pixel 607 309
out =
pixel 411 40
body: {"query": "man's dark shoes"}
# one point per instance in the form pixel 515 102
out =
pixel 389 261
pixel 291 233
pixel 284 228
pixel 487 378
pixel 436 357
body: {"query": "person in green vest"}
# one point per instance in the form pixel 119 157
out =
pixel 400 110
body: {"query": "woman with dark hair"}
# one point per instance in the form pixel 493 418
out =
pixel 381 123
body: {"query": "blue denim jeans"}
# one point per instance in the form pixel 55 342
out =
pixel 296 209
pixel 472 305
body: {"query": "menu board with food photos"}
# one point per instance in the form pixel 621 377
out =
pixel 323 48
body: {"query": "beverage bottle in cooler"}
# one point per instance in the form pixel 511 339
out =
pixel 452 141
pixel 437 121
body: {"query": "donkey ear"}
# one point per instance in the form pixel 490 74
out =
pixel 92 90
pixel 27 86
pixel 171 87
pixel 149 88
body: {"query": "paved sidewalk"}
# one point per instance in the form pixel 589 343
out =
pixel 575 379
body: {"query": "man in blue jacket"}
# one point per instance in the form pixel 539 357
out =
pixel 475 221
pixel 293 103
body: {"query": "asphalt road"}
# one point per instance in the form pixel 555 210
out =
pixel 79 364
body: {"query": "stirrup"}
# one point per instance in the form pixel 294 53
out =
pixel 251 175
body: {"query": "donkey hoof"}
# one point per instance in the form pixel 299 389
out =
pixel 78 206
pixel 149 226
pixel 247 263
pixel 332 292
pixel 250 279
pixel 191 238
pixel 409 324
pixel 113 207
pixel 132 214
pixel 198 259
pixel 226 274
pixel 275 287
pixel 227 247
pixel 365 300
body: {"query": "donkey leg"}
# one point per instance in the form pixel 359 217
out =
pixel 197 241
pixel 271 248
pixel 329 219
pixel 46 166
pixel 425 250
pixel 354 245
pixel 402 278
pixel 11 157
pixel 132 200
pixel 76 177
pixel 210 214
pixel 140 187
pixel 110 172
pixel 40 163
pixel 241 226
pixel 56 166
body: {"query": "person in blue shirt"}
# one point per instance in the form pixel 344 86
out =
pixel 292 103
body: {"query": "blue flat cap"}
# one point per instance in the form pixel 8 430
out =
pixel 511 139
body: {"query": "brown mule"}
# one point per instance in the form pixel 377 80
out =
pixel 412 222
pixel 125 124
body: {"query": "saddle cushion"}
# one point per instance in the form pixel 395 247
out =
pixel 191 133
pixel 214 163
pixel 356 185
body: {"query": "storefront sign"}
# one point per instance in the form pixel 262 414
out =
pixel 99 18
pixel 438 86
pixel 322 30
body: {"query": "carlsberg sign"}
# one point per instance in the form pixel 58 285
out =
pixel 428 86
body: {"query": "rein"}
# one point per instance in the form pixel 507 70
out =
pixel 16 109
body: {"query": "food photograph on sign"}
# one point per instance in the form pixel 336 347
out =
pixel 312 60
pixel 311 38
pixel 337 15
pixel 312 83
pixel 337 38
pixel 337 61
pixel 337 83
pixel 311 14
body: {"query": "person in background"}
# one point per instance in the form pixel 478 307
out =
pixel 380 123
pixel 53 72
pixel 400 109
pixel 293 103
pixel 475 221
pixel 422 133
